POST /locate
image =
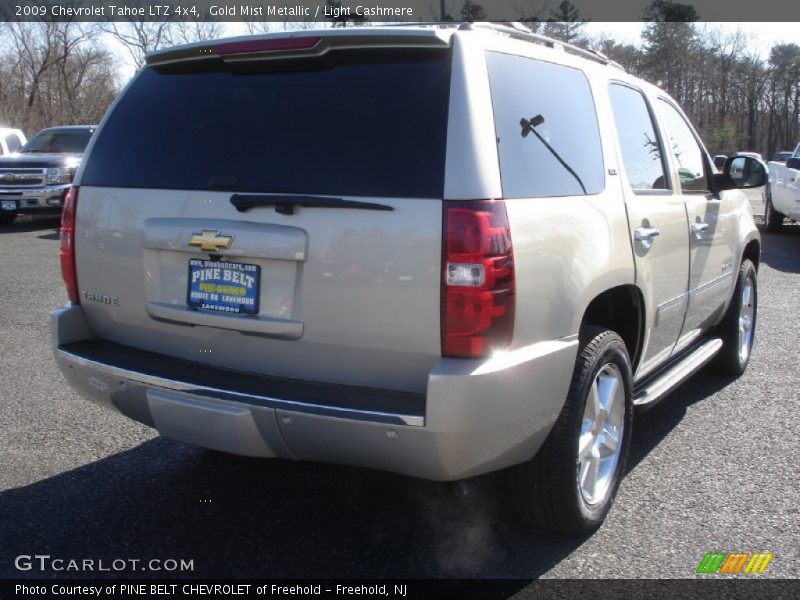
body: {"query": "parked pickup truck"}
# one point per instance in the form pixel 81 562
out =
pixel 35 179
pixel 482 253
pixel 782 193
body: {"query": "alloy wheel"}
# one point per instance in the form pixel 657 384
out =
pixel 602 428
pixel 747 312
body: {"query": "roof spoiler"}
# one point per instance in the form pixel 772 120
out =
pixel 298 45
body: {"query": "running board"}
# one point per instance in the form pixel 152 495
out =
pixel 657 389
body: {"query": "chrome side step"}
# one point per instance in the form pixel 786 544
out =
pixel 655 390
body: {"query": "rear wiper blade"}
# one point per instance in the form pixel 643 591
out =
pixel 285 205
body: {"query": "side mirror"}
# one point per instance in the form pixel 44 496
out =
pixel 743 172
pixel 793 163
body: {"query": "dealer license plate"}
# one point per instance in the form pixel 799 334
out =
pixel 8 205
pixel 223 286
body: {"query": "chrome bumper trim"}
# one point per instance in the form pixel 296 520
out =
pixel 32 191
pixel 256 400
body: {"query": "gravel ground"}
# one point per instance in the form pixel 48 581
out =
pixel 713 468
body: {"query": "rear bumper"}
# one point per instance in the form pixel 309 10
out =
pixel 476 417
pixel 40 201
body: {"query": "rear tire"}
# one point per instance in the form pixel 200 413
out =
pixel 738 328
pixel 7 218
pixel 569 486
pixel 773 220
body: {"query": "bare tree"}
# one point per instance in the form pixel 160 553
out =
pixel 140 37
pixel 303 25
pixel 783 96
pixel 186 32
pixel 54 73
pixel 254 27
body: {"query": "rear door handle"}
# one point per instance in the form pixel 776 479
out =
pixel 645 235
pixel 698 229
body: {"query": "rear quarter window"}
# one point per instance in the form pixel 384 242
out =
pixel 369 124
pixel 548 138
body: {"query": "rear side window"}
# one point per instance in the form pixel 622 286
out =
pixel 641 149
pixel 362 124
pixel 547 133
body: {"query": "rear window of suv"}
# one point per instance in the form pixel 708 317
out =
pixel 361 124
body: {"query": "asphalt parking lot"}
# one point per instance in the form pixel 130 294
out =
pixel 713 468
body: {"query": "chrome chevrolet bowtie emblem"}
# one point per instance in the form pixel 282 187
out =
pixel 9 177
pixel 210 240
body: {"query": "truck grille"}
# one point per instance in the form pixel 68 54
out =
pixel 16 178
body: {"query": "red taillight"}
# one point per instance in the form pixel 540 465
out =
pixel 67 250
pixel 279 45
pixel 477 278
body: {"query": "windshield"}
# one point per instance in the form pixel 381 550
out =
pixel 61 141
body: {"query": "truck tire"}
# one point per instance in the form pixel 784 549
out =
pixel 7 218
pixel 738 327
pixel 773 220
pixel 569 486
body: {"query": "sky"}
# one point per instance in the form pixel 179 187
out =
pixel 761 36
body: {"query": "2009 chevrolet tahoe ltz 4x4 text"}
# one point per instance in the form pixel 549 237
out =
pixel 439 251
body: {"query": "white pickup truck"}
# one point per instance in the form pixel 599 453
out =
pixel 782 193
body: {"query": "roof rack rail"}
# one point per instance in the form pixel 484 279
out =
pixel 520 31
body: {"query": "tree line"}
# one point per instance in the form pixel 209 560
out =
pixel 736 99
pixel 55 73
pixel 63 72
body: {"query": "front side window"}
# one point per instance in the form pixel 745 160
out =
pixel 641 148
pixel 685 149
pixel 548 139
